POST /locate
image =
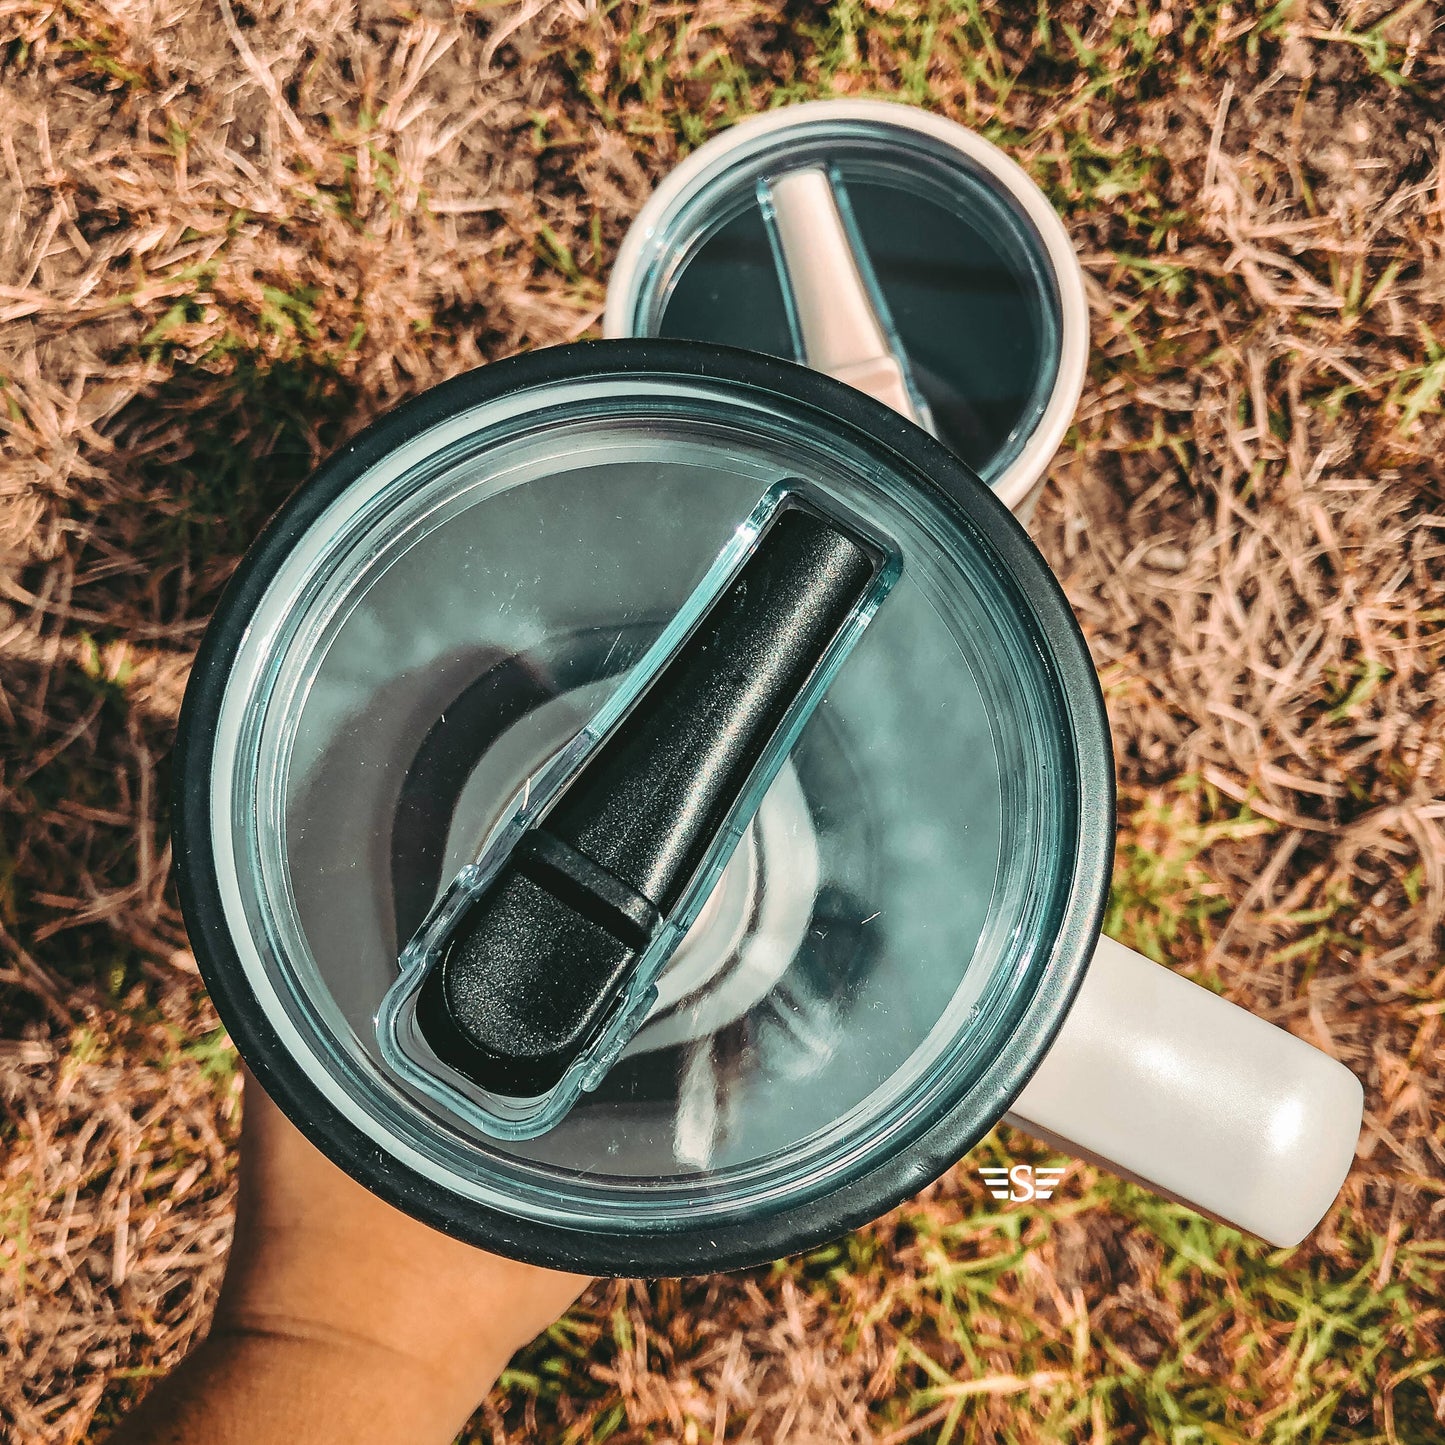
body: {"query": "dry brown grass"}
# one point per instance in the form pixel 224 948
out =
pixel 230 233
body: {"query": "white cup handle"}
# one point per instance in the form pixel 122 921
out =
pixel 1165 1083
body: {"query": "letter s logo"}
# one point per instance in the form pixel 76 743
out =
pixel 1022 1178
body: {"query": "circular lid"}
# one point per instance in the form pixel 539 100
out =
pixel 473 655
pixel 895 250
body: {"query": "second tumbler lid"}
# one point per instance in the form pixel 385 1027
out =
pixel 897 251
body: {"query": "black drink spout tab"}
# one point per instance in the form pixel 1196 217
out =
pixel 534 969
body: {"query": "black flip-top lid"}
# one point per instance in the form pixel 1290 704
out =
pixel 525 980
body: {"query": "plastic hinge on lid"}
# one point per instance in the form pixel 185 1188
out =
pixel 539 962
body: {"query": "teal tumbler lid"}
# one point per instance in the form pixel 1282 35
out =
pixel 858 954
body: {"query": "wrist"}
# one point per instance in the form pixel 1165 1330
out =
pixel 419 1340
pixel 395 1389
pixel 440 1367
pixel 438 1311
pixel 261 1381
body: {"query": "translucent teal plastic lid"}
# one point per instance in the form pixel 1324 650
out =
pixel 885 947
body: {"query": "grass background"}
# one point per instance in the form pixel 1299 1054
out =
pixel 232 231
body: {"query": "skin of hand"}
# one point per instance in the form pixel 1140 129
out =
pixel 341 1319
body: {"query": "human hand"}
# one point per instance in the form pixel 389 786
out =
pixel 341 1318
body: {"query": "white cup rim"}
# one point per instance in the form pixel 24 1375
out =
pixel 1019 484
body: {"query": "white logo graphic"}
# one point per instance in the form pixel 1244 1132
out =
pixel 1021 1183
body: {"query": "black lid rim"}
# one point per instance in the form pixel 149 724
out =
pixel 661 1252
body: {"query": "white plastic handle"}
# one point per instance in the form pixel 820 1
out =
pixel 841 331
pixel 1170 1085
